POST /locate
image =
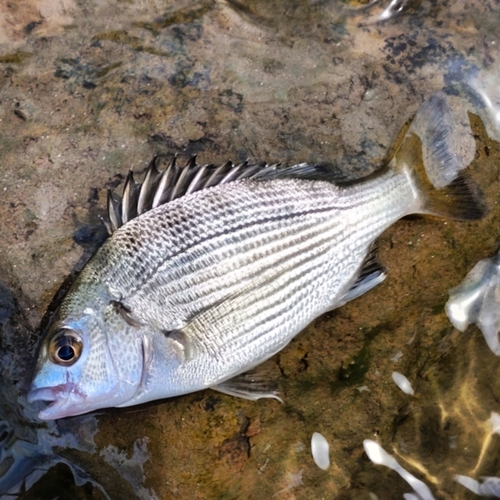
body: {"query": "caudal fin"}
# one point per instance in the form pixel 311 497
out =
pixel 426 155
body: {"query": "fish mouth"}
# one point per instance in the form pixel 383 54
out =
pixel 62 401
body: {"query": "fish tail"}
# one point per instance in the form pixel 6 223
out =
pixel 426 157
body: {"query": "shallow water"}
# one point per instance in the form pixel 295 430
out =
pixel 92 89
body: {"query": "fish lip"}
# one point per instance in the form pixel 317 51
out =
pixel 61 399
pixel 43 394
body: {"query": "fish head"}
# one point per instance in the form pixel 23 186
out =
pixel 86 361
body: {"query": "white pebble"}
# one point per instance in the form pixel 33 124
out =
pixel 488 487
pixel 397 356
pixel 495 423
pixel 320 451
pixel 403 383
pixel 379 456
pixel 468 482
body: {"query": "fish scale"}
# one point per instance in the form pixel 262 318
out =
pixel 164 252
pixel 260 315
pixel 317 261
pixel 252 323
pixel 211 282
pixel 214 217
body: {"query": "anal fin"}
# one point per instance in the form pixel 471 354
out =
pixel 371 274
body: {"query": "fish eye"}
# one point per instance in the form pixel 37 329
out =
pixel 65 347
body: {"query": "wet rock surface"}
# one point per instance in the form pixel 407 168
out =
pixel 89 90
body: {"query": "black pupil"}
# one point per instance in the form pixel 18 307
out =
pixel 66 352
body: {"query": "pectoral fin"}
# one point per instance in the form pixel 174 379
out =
pixel 199 336
pixel 184 344
pixel 250 385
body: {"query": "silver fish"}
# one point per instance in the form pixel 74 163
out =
pixel 210 271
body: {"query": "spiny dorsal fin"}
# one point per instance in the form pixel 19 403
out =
pixel 129 199
pixel 162 186
pixel 147 186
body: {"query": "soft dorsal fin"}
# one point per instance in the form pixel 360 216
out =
pixel 162 186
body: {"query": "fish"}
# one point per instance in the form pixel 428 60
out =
pixel 211 270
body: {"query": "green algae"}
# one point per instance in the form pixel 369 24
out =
pixel 353 371
pixel 106 69
pixel 181 16
pixel 15 57
pixel 136 43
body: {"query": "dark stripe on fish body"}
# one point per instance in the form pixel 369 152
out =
pixel 184 281
pixel 291 288
pixel 142 277
pixel 165 282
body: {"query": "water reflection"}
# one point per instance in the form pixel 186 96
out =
pixel 27 450
pixel 55 459
pixel 24 464
pixel 283 81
